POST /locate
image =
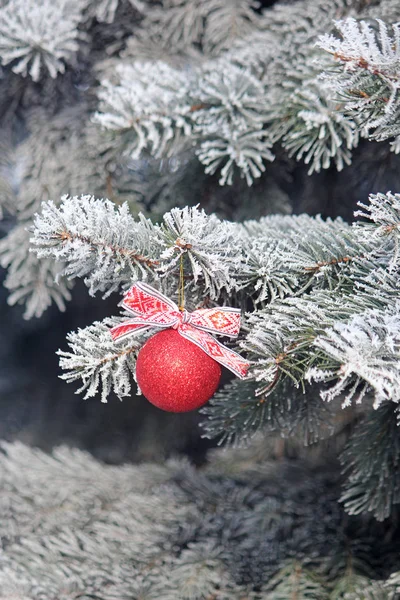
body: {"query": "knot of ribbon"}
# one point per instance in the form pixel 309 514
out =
pixel 150 308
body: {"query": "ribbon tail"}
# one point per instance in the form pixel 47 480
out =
pixel 225 356
pixel 120 332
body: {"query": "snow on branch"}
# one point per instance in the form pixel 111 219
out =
pixel 98 241
pixel 230 121
pixel 212 249
pixel 316 285
pixel 148 109
pixel 304 116
pixel 383 211
pixel 33 282
pixel 288 255
pixel 98 362
pixel 218 109
pixel 367 350
pixel 362 46
pixel 106 246
pixel 368 74
pixel 75 527
pixel 37 36
pixel 214 25
pixel 232 108
pixel 345 330
pixel 325 337
pixel 105 10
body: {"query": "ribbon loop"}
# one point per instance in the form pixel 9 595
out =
pixel 150 308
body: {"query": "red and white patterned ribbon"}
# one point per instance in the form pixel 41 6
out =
pixel 152 309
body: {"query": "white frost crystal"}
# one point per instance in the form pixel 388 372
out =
pixel 36 36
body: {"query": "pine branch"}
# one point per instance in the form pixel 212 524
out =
pixel 368 77
pixel 98 362
pixel 305 117
pixel 149 109
pixel 295 581
pixel 236 414
pixel 371 463
pixel 367 348
pixel 36 37
pixel 32 282
pixel 324 295
pixel 105 244
pixel 211 247
pixel 233 108
pixel 102 243
pixel 213 24
pixel 349 336
pixel 322 258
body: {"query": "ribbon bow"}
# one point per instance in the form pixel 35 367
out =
pixel 152 309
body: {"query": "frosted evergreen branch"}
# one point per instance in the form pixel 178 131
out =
pixel 148 109
pixel 362 47
pixel 215 25
pixel 324 338
pixel 367 348
pixel 39 36
pixel 32 282
pixel 236 414
pixel 157 108
pixel 62 155
pixel 296 580
pixel 383 211
pixel 349 336
pixel 247 151
pixel 230 126
pixel 281 337
pixel 109 248
pixel 98 241
pixel 73 526
pixel 368 76
pixel 370 462
pixel 98 362
pixel 322 258
pixel 313 130
pixel 233 108
pixel 305 118
pixel 208 245
pixel 325 288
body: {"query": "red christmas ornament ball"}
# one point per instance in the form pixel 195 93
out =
pixel 174 374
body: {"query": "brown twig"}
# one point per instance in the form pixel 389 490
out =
pixel 117 356
pixel 363 64
pixel 66 236
pixel 333 261
pixel 182 244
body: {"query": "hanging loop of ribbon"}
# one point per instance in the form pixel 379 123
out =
pixel 150 308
